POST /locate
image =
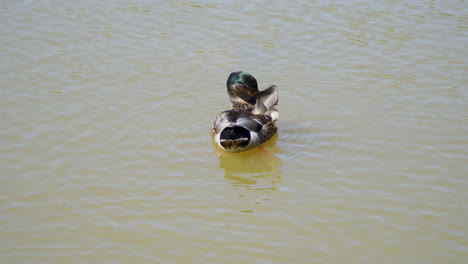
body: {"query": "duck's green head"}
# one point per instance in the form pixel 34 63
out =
pixel 242 88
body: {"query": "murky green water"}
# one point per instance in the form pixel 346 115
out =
pixel 106 110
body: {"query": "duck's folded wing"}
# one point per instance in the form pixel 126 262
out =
pixel 222 121
pixel 259 108
pixel 269 96
pixel 253 123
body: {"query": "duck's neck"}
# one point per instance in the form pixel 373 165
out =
pixel 242 106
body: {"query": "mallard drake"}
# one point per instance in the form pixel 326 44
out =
pixel 252 119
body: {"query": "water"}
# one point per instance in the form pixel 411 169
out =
pixel 106 112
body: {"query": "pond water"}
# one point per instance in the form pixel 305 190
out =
pixel 105 147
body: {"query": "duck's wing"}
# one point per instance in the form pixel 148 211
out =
pixel 273 113
pixel 269 96
pixel 221 122
pixel 226 118
pixel 259 108
pixel 253 123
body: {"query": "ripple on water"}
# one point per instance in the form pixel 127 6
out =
pixel 308 122
pixel 173 121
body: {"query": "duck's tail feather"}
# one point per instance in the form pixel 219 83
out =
pixel 232 137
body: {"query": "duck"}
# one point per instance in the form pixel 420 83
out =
pixel 252 119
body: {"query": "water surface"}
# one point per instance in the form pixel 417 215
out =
pixel 106 111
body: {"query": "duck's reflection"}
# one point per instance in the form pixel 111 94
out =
pixel 250 167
